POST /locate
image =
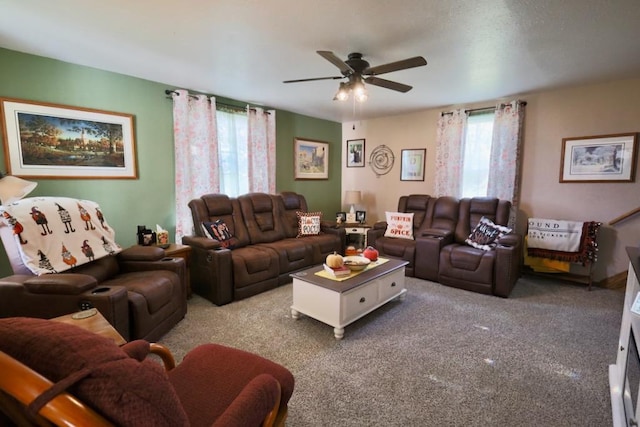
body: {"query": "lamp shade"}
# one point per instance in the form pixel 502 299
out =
pixel 352 197
pixel 13 188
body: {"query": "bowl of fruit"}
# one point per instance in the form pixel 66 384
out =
pixel 356 262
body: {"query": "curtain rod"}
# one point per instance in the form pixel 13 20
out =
pixel 473 110
pixel 233 107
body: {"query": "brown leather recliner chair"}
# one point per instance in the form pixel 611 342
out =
pixel 418 204
pixel 139 291
pixel 493 272
pixel 219 274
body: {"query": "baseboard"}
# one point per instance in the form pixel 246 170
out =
pixel 618 281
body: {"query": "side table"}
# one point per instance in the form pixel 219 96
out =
pixel 181 251
pixel 93 321
pixel 356 235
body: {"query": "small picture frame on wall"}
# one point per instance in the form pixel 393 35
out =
pixel 355 153
pixel 412 164
pixel 361 216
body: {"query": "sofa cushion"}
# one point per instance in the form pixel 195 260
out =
pixel 485 235
pixel 121 388
pixel 400 225
pixel 309 223
pixel 55 234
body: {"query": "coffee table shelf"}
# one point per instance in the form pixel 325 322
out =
pixel 340 303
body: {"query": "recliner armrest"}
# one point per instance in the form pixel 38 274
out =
pixel 380 225
pixel 436 233
pixel 201 242
pixel 141 253
pixel 510 240
pixel 61 284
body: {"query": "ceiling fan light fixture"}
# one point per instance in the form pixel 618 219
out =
pixel 360 92
pixel 343 93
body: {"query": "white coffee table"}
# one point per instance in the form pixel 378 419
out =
pixel 339 303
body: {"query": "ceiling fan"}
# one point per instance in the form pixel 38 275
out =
pixel 358 72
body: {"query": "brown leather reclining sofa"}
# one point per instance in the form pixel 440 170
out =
pixel 438 251
pixel 265 251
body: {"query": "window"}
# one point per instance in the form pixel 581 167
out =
pixel 477 154
pixel 232 152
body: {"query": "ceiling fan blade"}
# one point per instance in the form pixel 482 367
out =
pixel 416 61
pixel 345 68
pixel 388 84
pixel 316 78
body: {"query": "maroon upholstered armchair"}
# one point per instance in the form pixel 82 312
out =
pixel 69 376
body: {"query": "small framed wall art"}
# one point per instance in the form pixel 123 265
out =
pixel 355 153
pixel 601 158
pixel 412 164
pixel 311 159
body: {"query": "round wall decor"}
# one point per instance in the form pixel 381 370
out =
pixel 381 160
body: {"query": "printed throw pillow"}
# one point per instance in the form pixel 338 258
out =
pixel 485 234
pixel 309 223
pixel 55 234
pixel 399 225
pixel 218 230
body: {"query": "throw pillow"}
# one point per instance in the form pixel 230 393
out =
pixel 399 225
pixel 309 223
pixel 218 230
pixel 485 234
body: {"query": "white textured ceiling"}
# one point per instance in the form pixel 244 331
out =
pixel 477 50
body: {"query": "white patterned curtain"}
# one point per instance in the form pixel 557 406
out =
pixel 450 153
pixel 262 150
pixel 196 154
pixel 506 154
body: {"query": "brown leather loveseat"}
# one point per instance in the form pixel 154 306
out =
pixel 264 247
pixel 439 251
pixel 139 291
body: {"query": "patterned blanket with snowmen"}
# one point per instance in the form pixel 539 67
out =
pixel 55 234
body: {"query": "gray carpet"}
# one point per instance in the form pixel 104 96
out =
pixel 441 357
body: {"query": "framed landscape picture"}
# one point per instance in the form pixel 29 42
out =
pixel 310 159
pixel 355 153
pixel 601 158
pixel 43 140
pixel 412 164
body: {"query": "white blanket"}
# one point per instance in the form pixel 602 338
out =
pixel 54 234
pixel 555 235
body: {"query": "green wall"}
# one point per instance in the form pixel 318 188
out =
pixel 149 200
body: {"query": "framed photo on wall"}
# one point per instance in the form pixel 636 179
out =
pixel 412 164
pixel 44 140
pixel 355 153
pixel 601 158
pixel 310 159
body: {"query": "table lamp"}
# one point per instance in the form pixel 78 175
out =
pixel 352 198
pixel 13 188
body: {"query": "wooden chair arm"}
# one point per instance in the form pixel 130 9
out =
pixel 24 384
pixel 165 354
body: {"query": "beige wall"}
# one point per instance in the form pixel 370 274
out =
pixel 606 108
